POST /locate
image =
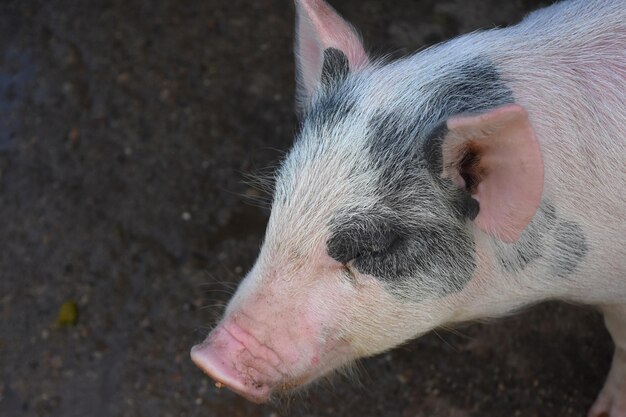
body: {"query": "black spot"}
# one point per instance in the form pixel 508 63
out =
pixel 527 249
pixel 335 67
pixel 336 98
pixel 332 106
pixel 439 258
pixel 388 133
pixel 432 150
pixel 561 243
pixel 474 87
pixel 399 144
pixel 531 244
pixel 357 235
pixel 570 248
pixel 549 213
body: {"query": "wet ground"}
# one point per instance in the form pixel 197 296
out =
pixel 127 129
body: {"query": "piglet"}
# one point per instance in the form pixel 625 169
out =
pixel 465 181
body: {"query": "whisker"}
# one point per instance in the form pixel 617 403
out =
pixel 444 340
pixel 456 332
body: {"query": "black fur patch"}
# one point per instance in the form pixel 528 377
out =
pixel 570 248
pixel 399 142
pixel 403 147
pixel 335 67
pixel 439 257
pixel 332 107
pixel 475 87
pixel 358 235
pixel 561 243
pixel 531 244
pixel 432 150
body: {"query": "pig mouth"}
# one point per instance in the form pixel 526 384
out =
pixel 236 360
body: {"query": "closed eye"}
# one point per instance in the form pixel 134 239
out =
pixel 376 251
pixel 357 239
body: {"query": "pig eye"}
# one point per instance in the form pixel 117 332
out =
pixel 383 246
pixel 348 273
pixel 353 241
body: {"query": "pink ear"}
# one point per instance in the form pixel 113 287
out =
pixel 497 158
pixel 318 27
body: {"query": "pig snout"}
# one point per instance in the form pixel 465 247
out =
pixel 236 359
pixel 255 361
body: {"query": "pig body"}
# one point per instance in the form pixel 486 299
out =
pixel 462 182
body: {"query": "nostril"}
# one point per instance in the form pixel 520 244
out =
pixel 234 359
pixel 219 367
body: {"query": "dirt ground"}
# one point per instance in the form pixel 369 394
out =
pixel 127 129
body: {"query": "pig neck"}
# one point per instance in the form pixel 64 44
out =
pixel 511 276
pixel 572 85
pixel 493 291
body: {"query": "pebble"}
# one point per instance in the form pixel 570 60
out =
pixel 74 134
pixel 123 77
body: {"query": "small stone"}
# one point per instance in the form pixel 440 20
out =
pixel 186 216
pixel 56 362
pixel 68 313
pixel 123 77
pixel 73 135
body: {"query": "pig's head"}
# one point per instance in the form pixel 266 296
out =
pixel 398 171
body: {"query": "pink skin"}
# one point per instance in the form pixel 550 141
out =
pixel 270 342
pixel 225 358
pixel 237 359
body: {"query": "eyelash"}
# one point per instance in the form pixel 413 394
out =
pixel 348 267
pixel 348 272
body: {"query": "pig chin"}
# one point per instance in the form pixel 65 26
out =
pixel 255 368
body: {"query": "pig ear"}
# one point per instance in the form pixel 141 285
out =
pixel 326 47
pixel 495 156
